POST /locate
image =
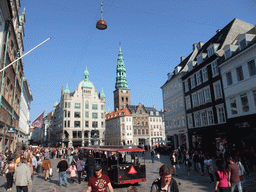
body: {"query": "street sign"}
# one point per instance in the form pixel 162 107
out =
pixel 10 129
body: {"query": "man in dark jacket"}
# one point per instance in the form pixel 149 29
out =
pixel 62 166
pixel 166 182
pixel 90 165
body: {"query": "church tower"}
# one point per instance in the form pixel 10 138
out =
pixel 122 93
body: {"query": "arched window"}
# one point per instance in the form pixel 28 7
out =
pixel 122 99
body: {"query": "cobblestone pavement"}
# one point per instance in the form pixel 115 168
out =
pixel 194 183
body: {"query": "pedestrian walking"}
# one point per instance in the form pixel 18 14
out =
pixel 201 162
pixel 9 172
pixel 72 170
pixel 188 163
pixel 47 165
pixel 166 182
pixel 233 175
pixel 152 156
pixel 90 165
pixel 80 163
pixel 62 168
pixel 99 182
pixel 22 176
pixel 222 179
pixel 173 159
pixel 209 168
pixel 196 161
pixel 70 159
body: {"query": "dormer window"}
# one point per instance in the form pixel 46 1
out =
pixel 157 113
pixel 229 50
pixel 212 49
pixel 244 39
pixel 151 113
pixel 200 58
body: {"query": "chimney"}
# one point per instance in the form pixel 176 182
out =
pixel 194 46
pixel 154 106
pixel 116 109
pixel 182 58
pixel 200 45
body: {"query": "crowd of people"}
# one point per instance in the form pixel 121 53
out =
pixel 226 170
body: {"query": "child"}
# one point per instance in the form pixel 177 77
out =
pixel 72 170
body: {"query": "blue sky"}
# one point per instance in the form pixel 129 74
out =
pixel 154 35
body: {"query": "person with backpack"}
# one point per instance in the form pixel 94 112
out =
pixel 166 182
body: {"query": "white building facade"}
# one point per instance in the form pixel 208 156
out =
pixel 238 73
pixel 119 128
pixel 82 115
pixel 24 121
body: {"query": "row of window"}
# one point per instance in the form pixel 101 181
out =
pixel 156 134
pixel 78 106
pixel 77 124
pixel 78 134
pixel 155 119
pixel 155 126
pixel 176 122
pixel 205 117
pixel 240 72
pixel 135 123
pixel 201 76
pixel 141 131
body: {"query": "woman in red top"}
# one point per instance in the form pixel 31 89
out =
pixel 222 179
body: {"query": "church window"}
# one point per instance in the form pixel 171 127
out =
pixel 122 99
pixel 126 99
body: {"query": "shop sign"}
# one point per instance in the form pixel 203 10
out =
pixel 10 129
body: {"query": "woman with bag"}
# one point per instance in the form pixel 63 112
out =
pixel 47 166
pixel 9 171
pixel 222 178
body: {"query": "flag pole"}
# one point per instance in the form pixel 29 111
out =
pixel 25 54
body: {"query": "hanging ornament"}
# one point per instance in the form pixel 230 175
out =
pixel 101 24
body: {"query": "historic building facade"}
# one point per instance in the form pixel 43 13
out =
pixel 79 117
pixel 119 128
pixel 11 37
pixel 24 120
pixel 204 98
pixel 174 104
pixel 133 126
pixel 238 71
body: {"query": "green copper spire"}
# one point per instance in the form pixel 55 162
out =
pixel 86 82
pixel 67 90
pixel 102 94
pixel 121 82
